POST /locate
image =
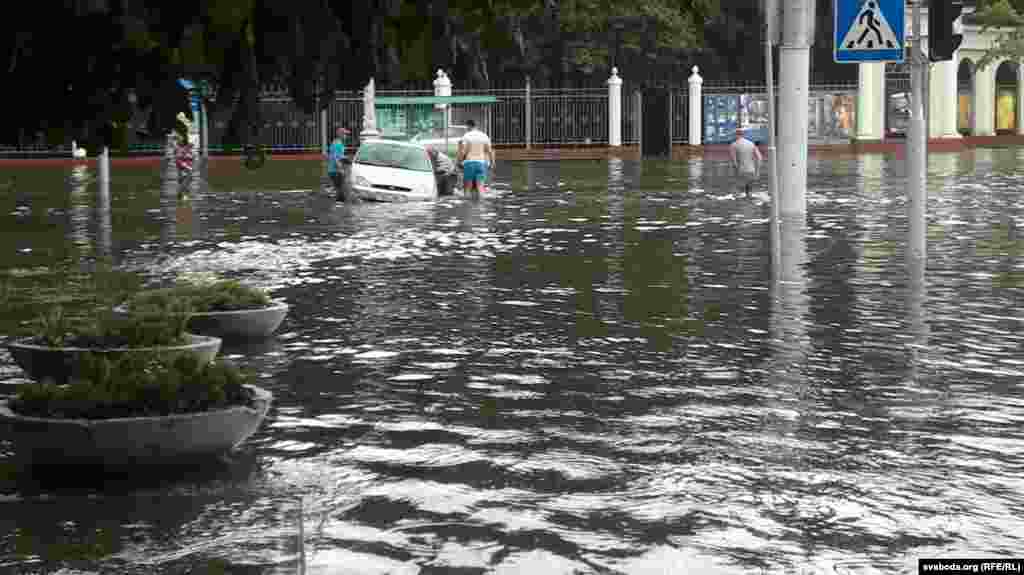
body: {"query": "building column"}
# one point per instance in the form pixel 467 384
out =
pixel 983 122
pixel 943 100
pixel 870 101
pixel 1020 98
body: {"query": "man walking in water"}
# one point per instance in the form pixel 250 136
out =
pixel 335 167
pixel 746 160
pixel 475 152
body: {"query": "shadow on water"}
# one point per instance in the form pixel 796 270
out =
pixel 602 367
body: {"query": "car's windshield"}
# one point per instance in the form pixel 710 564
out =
pixel 392 156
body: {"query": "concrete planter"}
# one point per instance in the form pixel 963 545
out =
pixel 133 440
pixel 234 324
pixel 60 363
pixel 239 324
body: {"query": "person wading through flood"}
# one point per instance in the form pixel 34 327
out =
pixel 335 167
pixel 746 160
pixel 444 171
pixel 475 152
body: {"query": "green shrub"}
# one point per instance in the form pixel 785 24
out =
pixel 225 295
pixel 136 385
pixel 147 328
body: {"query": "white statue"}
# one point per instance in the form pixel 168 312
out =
pixel 369 110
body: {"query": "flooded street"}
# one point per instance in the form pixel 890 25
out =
pixel 599 368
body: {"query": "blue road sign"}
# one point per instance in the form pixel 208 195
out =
pixel 869 31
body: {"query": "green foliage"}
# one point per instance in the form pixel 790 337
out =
pixel 225 295
pixel 53 327
pixel 149 328
pixel 1003 15
pixel 136 385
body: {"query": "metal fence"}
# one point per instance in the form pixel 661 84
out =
pixel 538 116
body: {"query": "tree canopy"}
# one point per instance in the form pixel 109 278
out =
pixel 1004 15
pixel 79 69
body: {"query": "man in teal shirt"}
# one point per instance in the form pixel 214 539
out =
pixel 335 167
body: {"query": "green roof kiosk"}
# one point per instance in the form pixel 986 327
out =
pixel 403 117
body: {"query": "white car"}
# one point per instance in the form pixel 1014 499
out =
pixel 391 171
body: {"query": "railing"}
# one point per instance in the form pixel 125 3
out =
pixel 556 117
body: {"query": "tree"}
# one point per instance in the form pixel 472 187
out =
pixel 1006 16
pixel 80 69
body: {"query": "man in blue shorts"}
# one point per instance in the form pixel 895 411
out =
pixel 476 155
pixel 335 167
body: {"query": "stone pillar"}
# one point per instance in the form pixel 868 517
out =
pixel 443 87
pixel 696 98
pixel 943 100
pixel 983 121
pixel 870 102
pixel 1020 98
pixel 615 109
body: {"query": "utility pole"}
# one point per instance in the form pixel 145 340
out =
pixel 771 8
pixel 917 146
pixel 794 85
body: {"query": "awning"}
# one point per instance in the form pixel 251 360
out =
pixel 426 100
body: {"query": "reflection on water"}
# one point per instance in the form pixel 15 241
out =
pixel 600 368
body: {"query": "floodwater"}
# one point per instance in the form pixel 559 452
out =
pixel 602 367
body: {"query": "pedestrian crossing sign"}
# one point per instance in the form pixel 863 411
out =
pixel 869 31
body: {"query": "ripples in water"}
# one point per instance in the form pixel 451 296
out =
pixel 600 369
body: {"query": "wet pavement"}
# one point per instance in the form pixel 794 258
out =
pixel 599 368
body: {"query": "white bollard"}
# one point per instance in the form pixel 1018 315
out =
pixel 696 96
pixel 103 165
pixel 615 109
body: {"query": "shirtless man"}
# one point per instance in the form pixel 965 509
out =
pixel 475 151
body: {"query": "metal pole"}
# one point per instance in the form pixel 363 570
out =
pixel 794 85
pixel 773 170
pixel 916 144
pixel 528 110
pixel 104 166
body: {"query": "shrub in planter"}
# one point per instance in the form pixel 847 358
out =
pixel 134 409
pixel 60 343
pixel 148 328
pixel 136 385
pixel 226 295
pixel 227 309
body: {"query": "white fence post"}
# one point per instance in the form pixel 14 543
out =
pixel 443 87
pixel 615 109
pixel 696 99
pixel 528 112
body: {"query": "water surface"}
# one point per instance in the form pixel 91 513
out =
pixel 600 368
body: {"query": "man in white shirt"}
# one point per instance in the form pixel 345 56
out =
pixel 475 152
pixel 746 160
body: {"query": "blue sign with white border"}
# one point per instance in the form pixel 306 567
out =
pixel 869 31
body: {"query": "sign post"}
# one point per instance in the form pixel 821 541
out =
pixel 873 31
pixel 771 11
pixel 869 31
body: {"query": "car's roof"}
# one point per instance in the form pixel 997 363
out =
pixel 397 143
